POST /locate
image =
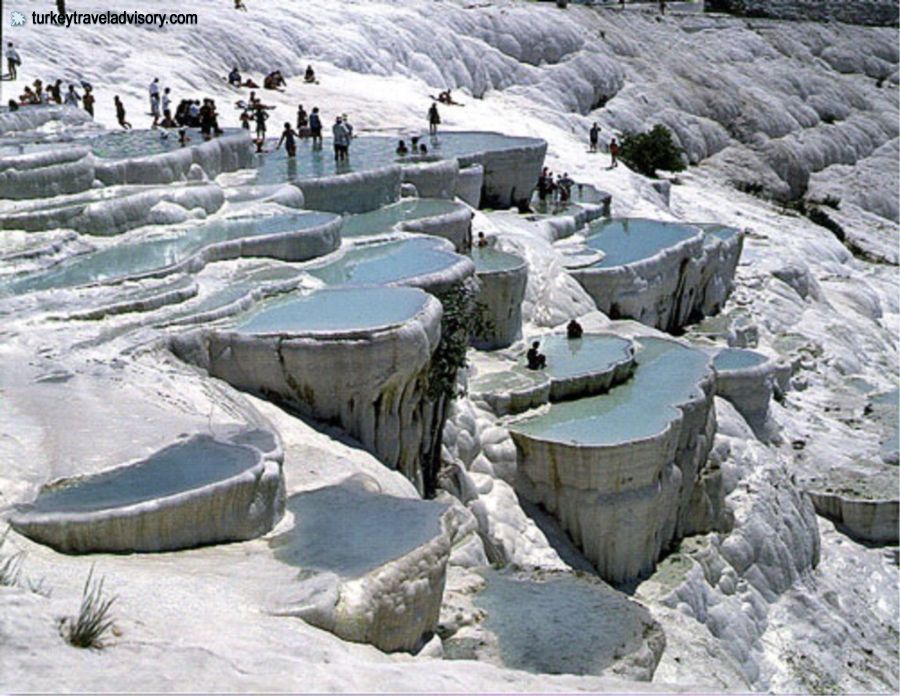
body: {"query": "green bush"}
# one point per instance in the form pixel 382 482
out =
pixel 651 151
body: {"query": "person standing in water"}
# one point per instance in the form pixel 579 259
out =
pixel 434 119
pixel 302 118
pixel 261 117
pixel 288 137
pixel 120 113
pixel 315 127
pixel 341 140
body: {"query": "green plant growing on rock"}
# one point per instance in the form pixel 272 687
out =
pixel 651 151
pixel 10 566
pixel 94 619
pixel 461 320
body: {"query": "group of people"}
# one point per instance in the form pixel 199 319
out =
pixel 558 190
pixel 52 93
pixel 594 141
pixel 413 149
pixel 536 360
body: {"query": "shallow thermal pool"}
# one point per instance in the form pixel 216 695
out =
pixel 351 531
pixel 335 310
pixel 393 262
pixel 160 252
pixel 737 359
pixel 384 219
pixel 373 152
pixel 182 467
pixel 667 374
pixel 572 625
pixel 490 260
pixel 141 142
pixel 626 240
pixel 590 354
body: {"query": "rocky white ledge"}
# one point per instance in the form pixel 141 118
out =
pixel 503 278
pixel 199 491
pixel 372 567
pixel 352 357
pixel 626 473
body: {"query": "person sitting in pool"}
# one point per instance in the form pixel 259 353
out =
pixel 423 150
pixel 310 75
pixel 12 105
pixel 536 359
pixel 288 136
pixel 414 141
pixel 402 150
pixel 574 330
pixel 482 240
pixel 234 78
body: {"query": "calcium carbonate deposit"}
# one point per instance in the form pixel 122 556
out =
pixel 440 346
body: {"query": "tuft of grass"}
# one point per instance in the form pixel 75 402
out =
pixel 94 618
pixel 10 566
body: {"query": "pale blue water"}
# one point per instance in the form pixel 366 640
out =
pixel 490 260
pixel 380 264
pixel 667 374
pixel 350 531
pixel 586 355
pixel 335 309
pixel 176 469
pixel 384 219
pixel 626 240
pixel 140 142
pixel 372 152
pixel 562 625
pixel 129 259
pixel 737 359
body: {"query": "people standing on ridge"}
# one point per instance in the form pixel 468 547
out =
pixel 166 104
pixel 341 138
pixel 613 153
pixel 302 119
pixel 153 91
pixel 315 127
pixel 120 113
pixel 288 136
pixel 595 136
pixel 536 359
pixel 574 330
pixel 13 60
pixel 72 97
pixel 56 91
pixel 662 6
pixel 87 101
pixel 434 119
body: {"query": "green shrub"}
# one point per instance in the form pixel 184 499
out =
pixel 651 151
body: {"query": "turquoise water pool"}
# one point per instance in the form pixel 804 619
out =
pixel 490 260
pixel 176 469
pixel 737 359
pixel 384 219
pixel 626 241
pixel 667 374
pixel 590 354
pixel 393 262
pixel 141 142
pixel 334 310
pixel 373 152
pixel 156 253
pixel 351 531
